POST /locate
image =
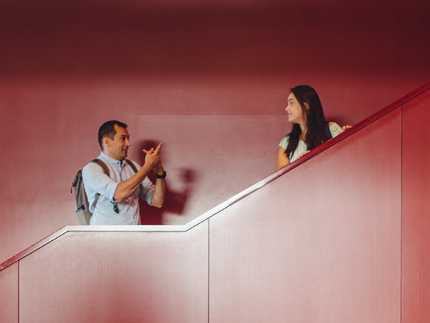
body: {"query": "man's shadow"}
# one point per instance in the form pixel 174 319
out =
pixel 174 202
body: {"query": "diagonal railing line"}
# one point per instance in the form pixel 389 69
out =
pixel 222 206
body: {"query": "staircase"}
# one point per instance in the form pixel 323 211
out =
pixel 340 235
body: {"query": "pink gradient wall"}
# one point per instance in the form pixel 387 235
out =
pixel 416 210
pixel 210 81
pixel 321 243
pixel 339 238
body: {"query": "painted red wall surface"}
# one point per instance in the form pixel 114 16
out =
pixel 209 80
pixel 132 277
pixel 339 238
pixel 416 210
pixel 320 244
pixel 9 300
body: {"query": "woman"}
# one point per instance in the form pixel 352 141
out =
pixel 310 128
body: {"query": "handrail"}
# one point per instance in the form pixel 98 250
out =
pixel 309 155
pixel 225 204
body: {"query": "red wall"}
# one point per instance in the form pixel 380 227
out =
pixel 9 300
pixel 210 81
pixel 416 210
pixel 321 244
pixel 339 238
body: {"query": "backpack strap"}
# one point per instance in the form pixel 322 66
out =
pixel 132 165
pixel 327 132
pixel 102 165
pixel 105 170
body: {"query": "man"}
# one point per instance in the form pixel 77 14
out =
pixel 118 202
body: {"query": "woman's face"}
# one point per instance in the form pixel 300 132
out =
pixel 294 110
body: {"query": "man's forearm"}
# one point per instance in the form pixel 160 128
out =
pixel 157 199
pixel 126 188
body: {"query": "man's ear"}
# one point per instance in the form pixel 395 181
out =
pixel 106 142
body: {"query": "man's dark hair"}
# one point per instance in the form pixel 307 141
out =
pixel 108 130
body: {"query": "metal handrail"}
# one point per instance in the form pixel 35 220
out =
pixel 225 204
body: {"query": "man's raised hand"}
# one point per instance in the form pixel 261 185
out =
pixel 152 156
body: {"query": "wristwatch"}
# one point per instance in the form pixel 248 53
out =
pixel 162 176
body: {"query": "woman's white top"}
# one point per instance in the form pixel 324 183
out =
pixel 335 130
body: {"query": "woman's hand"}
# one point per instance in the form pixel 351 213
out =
pixel 304 153
pixel 346 127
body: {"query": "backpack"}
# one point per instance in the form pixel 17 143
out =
pixel 83 209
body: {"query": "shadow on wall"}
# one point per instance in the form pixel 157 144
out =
pixel 175 202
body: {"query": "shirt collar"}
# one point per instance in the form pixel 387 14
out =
pixel 111 160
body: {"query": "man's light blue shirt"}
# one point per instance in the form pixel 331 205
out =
pixel 97 182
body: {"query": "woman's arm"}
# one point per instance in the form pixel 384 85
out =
pixel 283 160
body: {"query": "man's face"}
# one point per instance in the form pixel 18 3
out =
pixel 118 147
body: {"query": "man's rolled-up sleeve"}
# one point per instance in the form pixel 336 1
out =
pixel 97 182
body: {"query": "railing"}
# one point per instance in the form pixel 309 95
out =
pixel 343 238
pixel 227 203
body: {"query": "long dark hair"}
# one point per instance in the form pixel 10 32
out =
pixel 315 120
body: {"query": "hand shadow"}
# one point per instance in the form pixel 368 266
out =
pixel 174 202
